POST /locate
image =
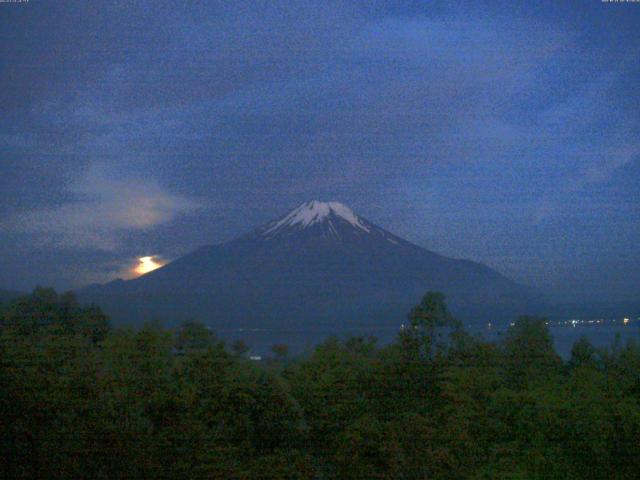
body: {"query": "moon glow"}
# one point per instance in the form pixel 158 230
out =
pixel 147 264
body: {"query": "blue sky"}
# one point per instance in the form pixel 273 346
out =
pixel 505 132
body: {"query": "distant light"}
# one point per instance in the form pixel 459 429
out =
pixel 625 321
pixel 147 264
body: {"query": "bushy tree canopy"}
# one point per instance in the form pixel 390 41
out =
pixel 80 400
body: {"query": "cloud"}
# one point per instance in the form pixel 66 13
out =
pixel 489 121
pixel 597 140
pixel 104 210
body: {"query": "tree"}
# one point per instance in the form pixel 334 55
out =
pixel 194 336
pixel 239 347
pixel 424 318
pixel 582 354
pixel 44 309
pixel 79 401
pixel 280 350
pixel 529 352
pixel 361 345
pixel 366 449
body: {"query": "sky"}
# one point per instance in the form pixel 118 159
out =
pixel 503 132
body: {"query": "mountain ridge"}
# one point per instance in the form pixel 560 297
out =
pixel 319 265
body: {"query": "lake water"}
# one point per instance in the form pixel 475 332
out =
pixel 599 336
pixel 564 337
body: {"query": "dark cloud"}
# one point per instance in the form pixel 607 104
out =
pixel 480 132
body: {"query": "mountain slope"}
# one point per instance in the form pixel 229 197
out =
pixel 8 295
pixel 318 268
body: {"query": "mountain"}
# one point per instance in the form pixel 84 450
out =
pixel 319 268
pixel 8 295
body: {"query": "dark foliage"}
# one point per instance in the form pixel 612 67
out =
pixel 81 400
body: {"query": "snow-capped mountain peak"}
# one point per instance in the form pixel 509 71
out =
pixel 318 266
pixel 310 213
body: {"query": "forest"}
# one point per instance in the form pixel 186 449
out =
pixel 81 399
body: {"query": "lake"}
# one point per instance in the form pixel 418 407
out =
pixel 564 336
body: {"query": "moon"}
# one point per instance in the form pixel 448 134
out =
pixel 147 264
